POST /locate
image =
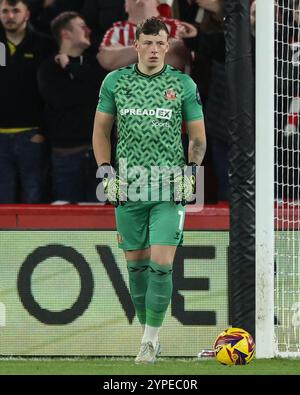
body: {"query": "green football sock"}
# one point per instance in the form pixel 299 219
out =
pixel 138 281
pixel 159 293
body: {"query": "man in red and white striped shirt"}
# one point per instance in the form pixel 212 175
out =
pixel 165 8
pixel 117 50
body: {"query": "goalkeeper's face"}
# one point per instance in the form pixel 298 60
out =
pixel 152 49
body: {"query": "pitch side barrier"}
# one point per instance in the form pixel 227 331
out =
pixel 64 283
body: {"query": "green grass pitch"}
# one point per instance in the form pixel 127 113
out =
pixel 126 366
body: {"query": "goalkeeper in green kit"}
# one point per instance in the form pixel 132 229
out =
pixel 149 101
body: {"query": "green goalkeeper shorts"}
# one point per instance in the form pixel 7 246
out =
pixel 142 224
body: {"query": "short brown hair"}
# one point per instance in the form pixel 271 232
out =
pixel 15 2
pixel 151 26
pixel 62 22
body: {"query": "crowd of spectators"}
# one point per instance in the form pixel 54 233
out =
pixel 58 53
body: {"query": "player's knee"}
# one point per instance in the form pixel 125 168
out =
pixel 163 255
pixel 162 259
pixel 137 255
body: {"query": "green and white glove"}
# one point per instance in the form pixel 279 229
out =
pixel 185 185
pixel 114 189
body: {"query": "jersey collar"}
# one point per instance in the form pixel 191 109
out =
pixel 146 75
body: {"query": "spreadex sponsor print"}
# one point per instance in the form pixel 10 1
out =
pixel 161 113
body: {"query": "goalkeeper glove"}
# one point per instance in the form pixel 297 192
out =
pixel 185 185
pixel 113 187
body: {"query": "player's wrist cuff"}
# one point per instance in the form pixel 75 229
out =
pixel 105 164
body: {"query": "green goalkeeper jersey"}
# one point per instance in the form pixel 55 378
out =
pixel 149 111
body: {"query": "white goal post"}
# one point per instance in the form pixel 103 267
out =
pixel 277 178
pixel 264 157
